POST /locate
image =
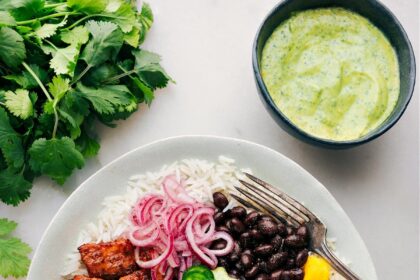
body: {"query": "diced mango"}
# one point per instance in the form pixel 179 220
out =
pixel 316 268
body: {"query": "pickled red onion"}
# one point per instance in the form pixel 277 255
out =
pixel 178 228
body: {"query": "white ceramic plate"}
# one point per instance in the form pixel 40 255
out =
pixel 85 203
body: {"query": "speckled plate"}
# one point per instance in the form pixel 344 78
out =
pixel 85 203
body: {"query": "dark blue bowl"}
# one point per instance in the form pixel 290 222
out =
pixel 380 16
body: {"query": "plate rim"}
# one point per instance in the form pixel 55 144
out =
pixel 79 188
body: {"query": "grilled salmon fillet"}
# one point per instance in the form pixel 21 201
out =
pixel 109 260
pixel 83 277
pixel 138 275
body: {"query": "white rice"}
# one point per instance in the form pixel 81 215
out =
pixel 201 179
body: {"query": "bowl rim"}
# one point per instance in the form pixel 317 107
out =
pixel 384 127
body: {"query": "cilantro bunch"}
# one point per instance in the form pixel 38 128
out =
pixel 63 65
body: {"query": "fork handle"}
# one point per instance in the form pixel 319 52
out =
pixel 335 263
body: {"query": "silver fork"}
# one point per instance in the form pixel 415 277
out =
pixel 264 197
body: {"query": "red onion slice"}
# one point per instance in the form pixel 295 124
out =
pixel 154 262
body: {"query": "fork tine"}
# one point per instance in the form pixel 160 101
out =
pixel 245 202
pixel 274 203
pixel 268 207
pixel 293 203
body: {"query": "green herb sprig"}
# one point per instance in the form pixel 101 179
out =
pixel 63 65
pixel 14 259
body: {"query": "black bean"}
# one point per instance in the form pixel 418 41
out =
pixel 276 260
pixel 303 231
pixel 264 250
pixel 276 241
pixel 285 275
pixel 238 212
pixel 233 258
pixel 247 261
pixel 276 274
pixel 247 251
pixel 222 228
pixel 223 262
pixel 246 240
pixel 228 214
pixel 282 229
pixel 294 241
pixel 265 217
pixel 267 227
pixel 237 248
pixel 263 265
pixel 218 244
pixel 290 263
pixel 234 273
pixel 220 200
pixel 262 277
pixel 297 274
pixel 239 266
pixel 251 219
pixel 255 235
pixel 236 226
pixel 301 258
pixel 219 218
pixel 250 273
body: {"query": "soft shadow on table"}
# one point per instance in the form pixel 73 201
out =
pixel 79 176
pixel 343 164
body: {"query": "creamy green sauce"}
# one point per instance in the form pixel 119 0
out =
pixel 332 73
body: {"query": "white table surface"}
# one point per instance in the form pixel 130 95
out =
pixel 206 47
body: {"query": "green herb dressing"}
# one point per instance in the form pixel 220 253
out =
pixel 332 73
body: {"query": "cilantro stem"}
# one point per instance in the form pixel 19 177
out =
pixel 81 74
pixel 46 17
pixel 88 17
pixel 27 67
pixel 51 44
pixel 117 77
pixel 55 117
pixel 41 85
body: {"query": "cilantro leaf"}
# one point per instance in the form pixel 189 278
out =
pixel 147 92
pixel 49 29
pixel 14 259
pixel 64 60
pixel 146 20
pixel 56 158
pixel 108 99
pixel 133 37
pixel 149 69
pixel 124 17
pixel 19 103
pixel 78 35
pixel 6 19
pixel 88 146
pixel 26 80
pixel 14 188
pixel 106 43
pixel 59 86
pixel 74 108
pixel 6 227
pixel 10 142
pixel 88 6
pixel 12 48
pixel 100 73
pixel 147 13
pixel 27 9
